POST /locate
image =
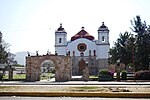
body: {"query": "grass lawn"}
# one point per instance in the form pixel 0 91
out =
pixel 23 76
pixel 93 76
pixel 16 76
pixel 46 76
pixel 5 77
pixel 19 76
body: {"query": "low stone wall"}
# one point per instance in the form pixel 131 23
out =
pixel 102 63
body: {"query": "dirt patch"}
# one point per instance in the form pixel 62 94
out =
pixel 30 88
pixel 88 89
pixel 71 89
pixel 98 89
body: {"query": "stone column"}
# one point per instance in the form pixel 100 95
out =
pixel 10 74
pixel 85 76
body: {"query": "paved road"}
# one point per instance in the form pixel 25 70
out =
pixel 67 98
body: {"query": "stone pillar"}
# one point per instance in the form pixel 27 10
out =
pixel 63 70
pixel 10 75
pixel 28 68
pixel 118 71
pixel 85 76
pixel 32 68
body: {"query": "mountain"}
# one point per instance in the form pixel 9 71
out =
pixel 21 57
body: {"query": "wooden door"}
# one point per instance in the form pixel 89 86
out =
pixel 81 66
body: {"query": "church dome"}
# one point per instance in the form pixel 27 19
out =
pixel 103 27
pixel 82 34
pixel 60 29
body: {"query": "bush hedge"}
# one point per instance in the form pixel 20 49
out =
pixel 124 75
pixel 105 75
pixel 142 75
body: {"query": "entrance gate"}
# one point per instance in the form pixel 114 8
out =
pixel 63 69
pixel 81 66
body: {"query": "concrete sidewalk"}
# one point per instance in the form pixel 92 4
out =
pixel 51 82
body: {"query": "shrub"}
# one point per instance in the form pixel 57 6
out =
pixel 130 64
pixel 105 75
pixel 124 75
pixel 142 75
pixel 1 76
pixel 103 71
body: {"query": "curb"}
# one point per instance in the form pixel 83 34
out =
pixel 78 94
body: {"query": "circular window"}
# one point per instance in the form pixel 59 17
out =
pixel 81 47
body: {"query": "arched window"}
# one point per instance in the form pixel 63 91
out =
pixel 103 38
pixel 60 40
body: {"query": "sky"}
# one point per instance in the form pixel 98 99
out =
pixel 29 25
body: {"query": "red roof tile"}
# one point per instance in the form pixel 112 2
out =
pixel 82 34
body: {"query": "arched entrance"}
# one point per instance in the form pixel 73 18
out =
pixel 63 67
pixel 81 66
pixel 47 70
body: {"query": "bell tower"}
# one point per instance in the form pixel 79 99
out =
pixel 103 46
pixel 103 34
pixel 60 40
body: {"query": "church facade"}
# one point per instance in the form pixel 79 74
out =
pixel 84 50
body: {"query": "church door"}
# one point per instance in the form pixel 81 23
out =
pixel 81 66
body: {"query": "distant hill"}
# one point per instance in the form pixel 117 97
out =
pixel 20 57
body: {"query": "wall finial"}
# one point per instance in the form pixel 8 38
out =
pixel 60 24
pixel 82 28
pixel 102 23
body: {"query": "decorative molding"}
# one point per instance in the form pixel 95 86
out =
pixel 81 47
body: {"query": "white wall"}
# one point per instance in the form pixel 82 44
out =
pixel 61 50
pixel 60 47
pixel 105 34
pixel 103 51
pixel 72 46
pixel 60 35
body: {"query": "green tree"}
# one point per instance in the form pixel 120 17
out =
pixel 142 48
pixel 122 49
pixel 3 52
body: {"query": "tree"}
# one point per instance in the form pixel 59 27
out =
pixel 122 49
pixel 142 48
pixel 3 52
pixel 11 59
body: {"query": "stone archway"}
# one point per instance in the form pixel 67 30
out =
pixel 47 70
pixel 63 68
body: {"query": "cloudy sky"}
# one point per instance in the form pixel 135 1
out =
pixel 29 25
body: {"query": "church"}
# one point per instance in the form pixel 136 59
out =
pixel 84 50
